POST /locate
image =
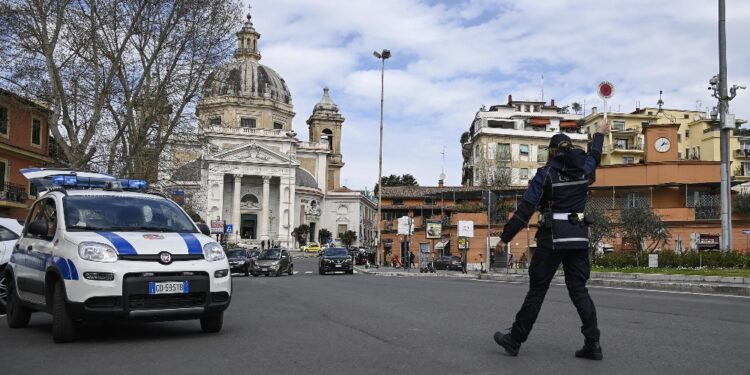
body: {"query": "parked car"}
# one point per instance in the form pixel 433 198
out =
pixel 239 260
pixel 10 231
pixel 312 247
pixel 335 259
pixel 273 262
pixel 448 262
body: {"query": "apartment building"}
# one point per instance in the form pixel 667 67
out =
pixel 507 143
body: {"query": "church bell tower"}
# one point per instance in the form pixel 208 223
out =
pixel 325 127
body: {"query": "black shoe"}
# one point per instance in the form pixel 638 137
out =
pixel 590 350
pixel 510 345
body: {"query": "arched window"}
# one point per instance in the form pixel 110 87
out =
pixel 249 201
pixel 328 135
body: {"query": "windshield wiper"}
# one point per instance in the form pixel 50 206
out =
pixel 141 229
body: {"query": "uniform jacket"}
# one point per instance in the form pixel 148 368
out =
pixel 559 187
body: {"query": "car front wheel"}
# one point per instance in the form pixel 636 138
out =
pixel 18 315
pixel 212 323
pixel 3 291
pixel 63 326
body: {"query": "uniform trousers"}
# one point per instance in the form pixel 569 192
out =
pixel 577 269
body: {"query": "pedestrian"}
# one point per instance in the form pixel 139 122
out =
pixel 464 255
pixel 558 191
pixel 524 261
pixel 511 260
pixel 263 244
pixel 411 259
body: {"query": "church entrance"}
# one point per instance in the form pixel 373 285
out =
pixel 248 223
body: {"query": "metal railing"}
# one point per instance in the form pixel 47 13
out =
pixel 243 131
pixel 742 153
pixel 638 146
pixel 13 192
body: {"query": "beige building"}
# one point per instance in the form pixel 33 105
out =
pixel 697 137
pixel 507 143
pixel 249 169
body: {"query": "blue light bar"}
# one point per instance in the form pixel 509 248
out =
pixel 64 180
pixel 133 184
pixel 73 181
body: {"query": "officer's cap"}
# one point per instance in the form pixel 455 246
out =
pixel 557 139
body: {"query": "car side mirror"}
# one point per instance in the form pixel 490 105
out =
pixel 204 229
pixel 38 228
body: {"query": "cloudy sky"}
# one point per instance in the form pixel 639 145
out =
pixel 450 57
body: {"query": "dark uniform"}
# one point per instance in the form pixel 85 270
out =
pixel 558 191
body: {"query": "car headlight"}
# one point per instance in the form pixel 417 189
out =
pixel 212 251
pixel 97 252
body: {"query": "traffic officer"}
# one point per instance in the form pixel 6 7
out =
pixel 558 191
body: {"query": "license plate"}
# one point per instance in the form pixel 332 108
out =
pixel 265 268
pixel 338 266
pixel 170 287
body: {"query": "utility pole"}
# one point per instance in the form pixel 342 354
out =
pixel 382 56
pixel 727 123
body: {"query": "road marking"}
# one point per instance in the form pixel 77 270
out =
pixel 308 271
pixel 295 272
pixel 626 289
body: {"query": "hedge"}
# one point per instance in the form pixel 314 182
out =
pixel 670 259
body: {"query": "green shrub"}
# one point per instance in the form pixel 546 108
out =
pixel 669 259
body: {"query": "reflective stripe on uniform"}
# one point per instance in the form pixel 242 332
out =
pixel 572 239
pixel 564 215
pixel 570 183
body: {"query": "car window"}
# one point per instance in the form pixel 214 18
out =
pixel 7 235
pixel 44 210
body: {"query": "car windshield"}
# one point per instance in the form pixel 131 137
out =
pixel 313 244
pixel 335 252
pixel 254 253
pixel 235 253
pixel 269 255
pixel 110 213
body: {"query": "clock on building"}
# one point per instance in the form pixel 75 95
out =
pixel 662 144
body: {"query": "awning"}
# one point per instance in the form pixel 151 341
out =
pixel 441 245
pixel 538 121
pixel 568 124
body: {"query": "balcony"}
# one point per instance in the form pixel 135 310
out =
pixel 624 148
pixel 742 153
pixel 13 195
pixel 230 130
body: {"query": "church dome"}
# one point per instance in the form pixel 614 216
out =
pixel 245 76
pixel 305 179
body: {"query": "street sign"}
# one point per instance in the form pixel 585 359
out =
pixel 217 226
pixel 463 243
pixel 653 260
pixel 229 228
pixel 746 231
pixel 606 90
pixel 466 228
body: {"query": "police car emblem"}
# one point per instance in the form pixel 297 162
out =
pixel 165 257
pixel 153 237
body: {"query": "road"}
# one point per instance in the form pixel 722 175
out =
pixel 351 324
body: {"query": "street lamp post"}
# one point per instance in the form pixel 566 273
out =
pixel 291 134
pixel 382 56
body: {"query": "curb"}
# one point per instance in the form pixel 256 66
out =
pixel 736 286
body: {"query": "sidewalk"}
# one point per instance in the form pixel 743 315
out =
pixel 738 286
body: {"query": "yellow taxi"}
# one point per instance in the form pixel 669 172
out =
pixel 312 247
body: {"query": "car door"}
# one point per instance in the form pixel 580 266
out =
pixel 31 252
pixel 8 240
pixel 285 260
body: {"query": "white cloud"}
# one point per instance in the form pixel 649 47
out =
pixel 451 57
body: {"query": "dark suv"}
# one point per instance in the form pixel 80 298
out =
pixel 239 260
pixel 335 259
pixel 273 262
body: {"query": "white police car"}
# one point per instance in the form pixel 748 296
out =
pixel 93 249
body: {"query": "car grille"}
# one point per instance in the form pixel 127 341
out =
pixel 155 257
pixel 166 301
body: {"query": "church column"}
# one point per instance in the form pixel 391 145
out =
pixel 288 221
pixel 236 197
pixel 264 226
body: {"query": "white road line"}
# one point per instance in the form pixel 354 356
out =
pixel 295 272
pixel 626 289
pixel 308 271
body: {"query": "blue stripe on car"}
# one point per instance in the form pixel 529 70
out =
pixel 62 266
pixel 193 245
pixel 122 246
pixel 73 270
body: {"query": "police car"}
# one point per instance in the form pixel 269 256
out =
pixel 97 247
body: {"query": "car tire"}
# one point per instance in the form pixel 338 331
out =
pixel 255 275
pixel 3 291
pixel 212 323
pixel 18 315
pixel 291 270
pixel 350 272
pixel 320 271
pixel 63 326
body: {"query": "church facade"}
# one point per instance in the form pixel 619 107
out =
pixel 251 169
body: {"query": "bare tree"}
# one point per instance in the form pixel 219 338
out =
pixel 495 170
pixel 121 78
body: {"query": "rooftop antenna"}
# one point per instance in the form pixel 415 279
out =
pixel 442 169
pixel 542 87
pixel 698 105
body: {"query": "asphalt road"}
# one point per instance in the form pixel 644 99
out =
pixel 351 324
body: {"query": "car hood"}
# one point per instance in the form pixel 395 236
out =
pixel 237 259
pixel 144 243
